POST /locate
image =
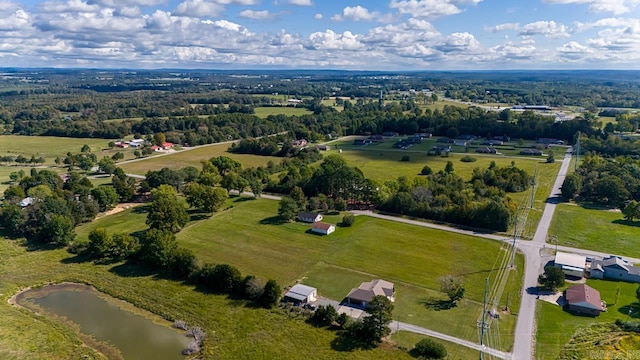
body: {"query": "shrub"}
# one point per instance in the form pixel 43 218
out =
pixel 429 349
pixel 348 220
pixel 426 170
pixel 468 158
pixel 405 158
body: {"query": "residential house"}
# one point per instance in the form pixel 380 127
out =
pixel 301 294
pixel 486 150
pixel 299 143
pixel 571 264
pixel 614 268
pixel 26 202
pixel 533 152
pixel 156 148
pixel 122 145
pixel 362 295
pixel 322 228
pixel 323 147
pixel 460 142
pixel 583 299
pixel 167 145
pixel 362 142
pixel 309 217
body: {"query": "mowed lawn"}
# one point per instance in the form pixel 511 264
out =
pixel 263 112
pixel 184 158
pixel 49 147
pixel 556 327
pixel 250 237
pixel 594 229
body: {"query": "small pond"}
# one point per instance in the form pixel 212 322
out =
pixel 104 319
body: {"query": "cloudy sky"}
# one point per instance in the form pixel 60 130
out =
pixel 321 34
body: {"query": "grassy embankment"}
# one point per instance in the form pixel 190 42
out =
pixel 250 237
pixel 563 335
pixel 596 229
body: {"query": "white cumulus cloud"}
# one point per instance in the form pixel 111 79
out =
pixel 198 8
pixel 430 8
pixel 256 14
pixel 544 28
pixel 615 7
pixel 358 13
pixel 503 27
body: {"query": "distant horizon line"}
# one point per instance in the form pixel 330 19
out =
pixel 5 68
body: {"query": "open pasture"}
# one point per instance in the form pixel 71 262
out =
pixel 49 147
pixel 592 228
pixel 263 112
pixel 192 157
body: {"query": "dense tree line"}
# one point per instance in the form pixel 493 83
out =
pixel 608 181
pixel 43 208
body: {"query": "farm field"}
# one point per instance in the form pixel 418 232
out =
pixel 49 147
pixel 556 327
pixel 193 157
pixel 263 112
pixel 593 229
pixel 250 237
pixel 233 331
pixel 5 171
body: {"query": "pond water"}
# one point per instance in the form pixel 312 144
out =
pixel 135 336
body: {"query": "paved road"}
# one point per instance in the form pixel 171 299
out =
pixel 420 330
pixel 525 325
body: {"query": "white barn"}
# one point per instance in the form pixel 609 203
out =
pixel 301 294
pixel 571 264
pixel 323 228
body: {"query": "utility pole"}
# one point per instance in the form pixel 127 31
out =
pixel 515 235
pixel 575 166
pixel 533 185
pixel 483 324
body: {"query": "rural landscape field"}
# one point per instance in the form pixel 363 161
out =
pixel 418 220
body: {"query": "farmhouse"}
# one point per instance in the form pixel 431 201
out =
pixel 167 145
pixel 156 148
pixel 301 294
pixel 299 143
pixel 362 295
pixel 584 299
pixel 122 145
pixel 614 268
pixel 571 264
pixel 309 217
pixel 323 228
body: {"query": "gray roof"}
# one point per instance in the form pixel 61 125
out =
pixel 614 261
pixel 300 292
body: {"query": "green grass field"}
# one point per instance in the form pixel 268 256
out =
pixel 263 112
pixel 193 157
pixel 249 237
pixel 49 147
pixel 595 229
pixel 556 327
pixel 408 340
pixel 234 331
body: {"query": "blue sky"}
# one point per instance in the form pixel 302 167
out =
pixel 316 34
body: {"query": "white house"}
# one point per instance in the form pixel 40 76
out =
pixel 309 217
pixel 323 228
pixel 301 294
pixel 571 264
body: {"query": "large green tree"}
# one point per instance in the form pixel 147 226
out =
pixel 288 208
pixel 453 287
pixel 552 278
pixel 631 210
pixel 167 211
pixel 571 186
pixel 376 325
pixel 158 248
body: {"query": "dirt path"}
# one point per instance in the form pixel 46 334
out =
pixel 119 208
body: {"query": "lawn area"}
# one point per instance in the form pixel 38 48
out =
pixel 181 159
pixel 249 237
pixel 408 340
pixel 556 327
pixel 595 229
pixel 49 147
pixel 263 112
pixel 234 331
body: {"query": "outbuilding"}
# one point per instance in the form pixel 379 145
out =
pixel 301 294
pixel 583 299
pixel 571 264
pixel 323 228
pixel 309 217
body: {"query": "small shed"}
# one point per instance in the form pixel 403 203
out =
pixel 323 228
pixel 301 294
